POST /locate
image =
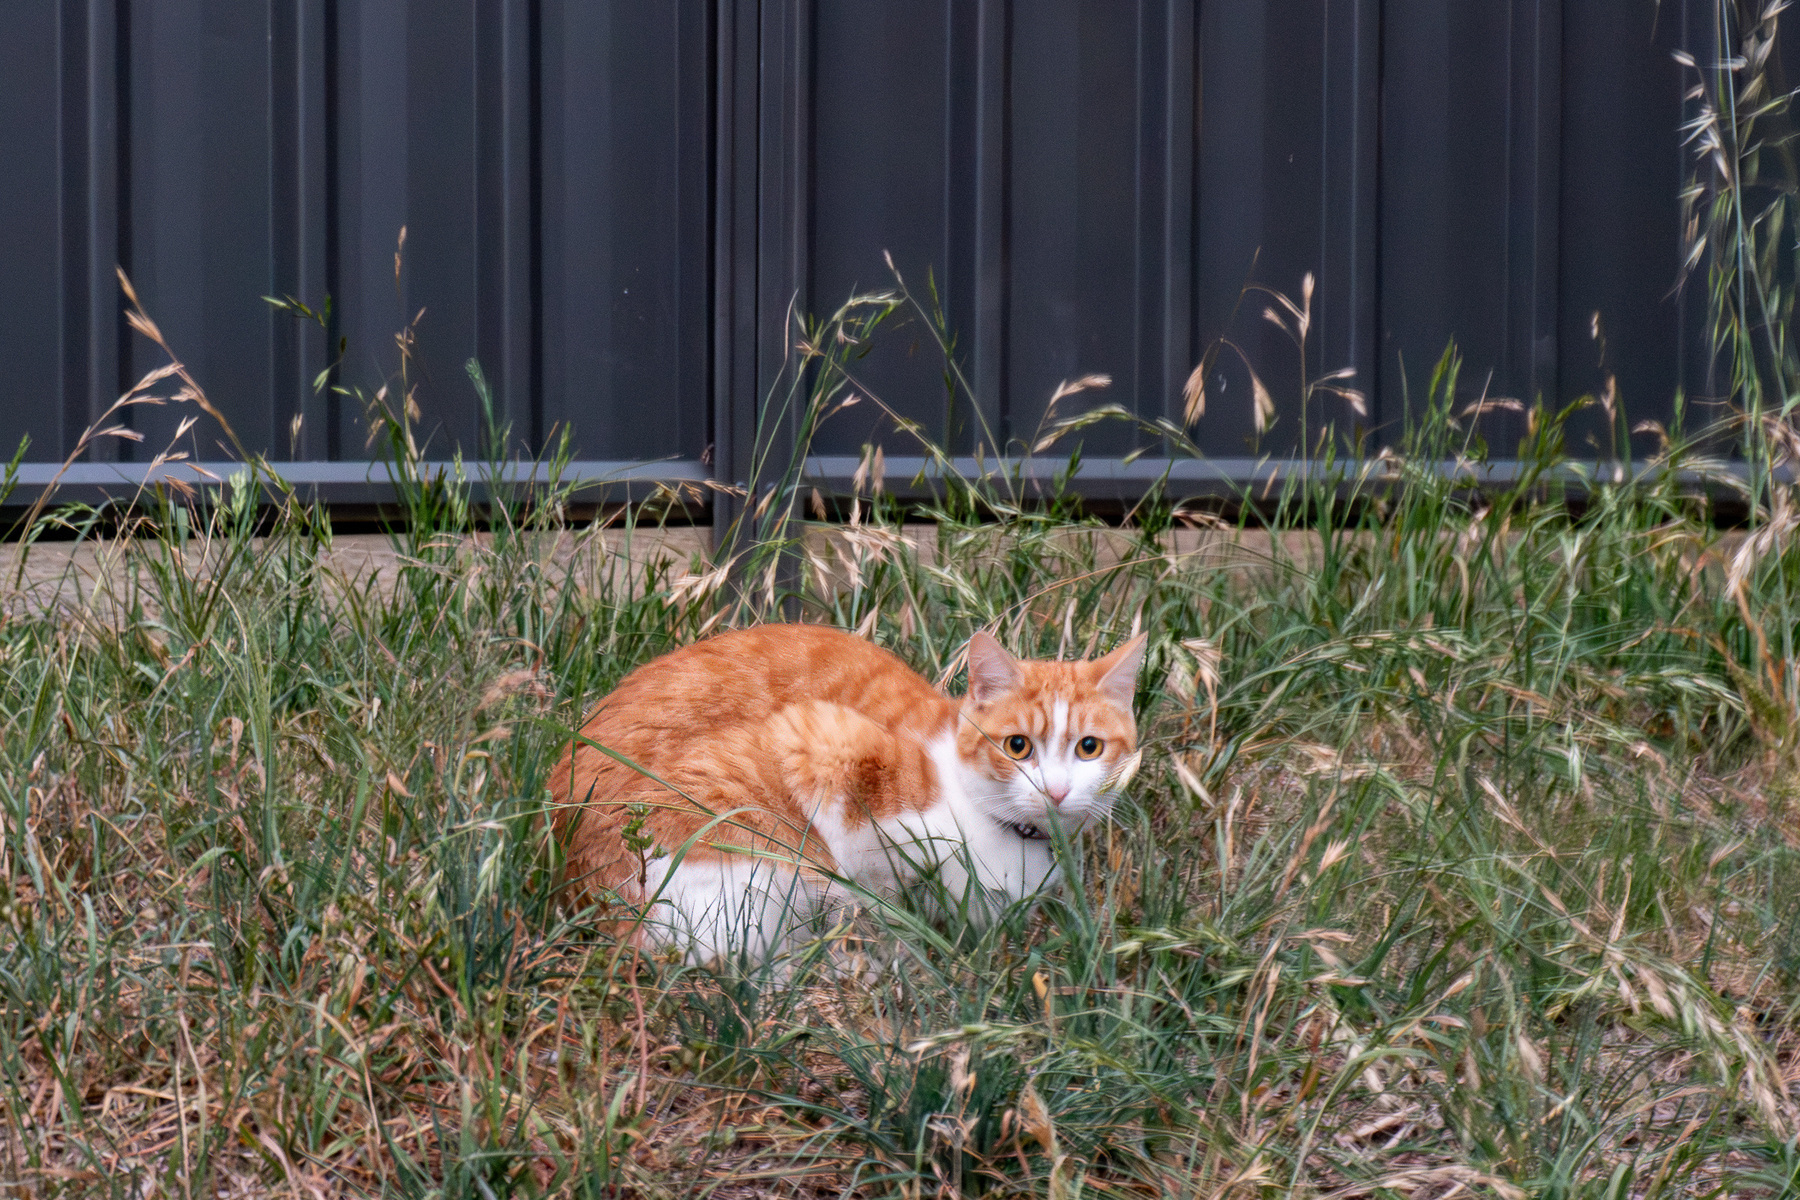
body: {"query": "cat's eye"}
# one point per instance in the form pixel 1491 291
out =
pixel 1089 747
pixel 1018 746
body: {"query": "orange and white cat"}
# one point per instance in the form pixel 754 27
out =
pixel 767 761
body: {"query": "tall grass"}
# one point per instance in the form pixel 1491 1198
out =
pixel 1741 232
pixel 1464 857
pixel 1463 860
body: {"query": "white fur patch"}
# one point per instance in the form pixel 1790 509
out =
pixel 734 906
pixel 728 907
pixel 960 833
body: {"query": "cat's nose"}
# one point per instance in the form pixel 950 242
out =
pixel 1058 792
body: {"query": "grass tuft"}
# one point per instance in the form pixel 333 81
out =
pixel 1462 859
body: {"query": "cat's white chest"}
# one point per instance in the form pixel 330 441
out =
pixel 732 904
pixel 966 849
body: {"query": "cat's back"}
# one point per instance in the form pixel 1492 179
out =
pixel 745 676
pixel 700 722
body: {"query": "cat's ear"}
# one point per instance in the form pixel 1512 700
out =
pixel 1118 672
pixel 992 671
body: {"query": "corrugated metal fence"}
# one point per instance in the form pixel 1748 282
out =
pixel 613 204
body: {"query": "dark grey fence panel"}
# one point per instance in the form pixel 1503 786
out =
pixel 1264 218
pixel 1034 163
pixel 1074 215
pixel 31 231
pixel 62 329
pixel 616 206
pixel 1620 221
pixel 195 230
pixel 431 131
pixel 894 144
pixel 625 226
pixel 1461 251
pixel 1530 178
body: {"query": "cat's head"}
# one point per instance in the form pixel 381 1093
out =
pixel 1048 737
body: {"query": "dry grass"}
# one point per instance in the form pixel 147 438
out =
pixel 1460 866
pixel 1463 860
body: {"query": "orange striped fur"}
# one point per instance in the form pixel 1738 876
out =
pixel 767 762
